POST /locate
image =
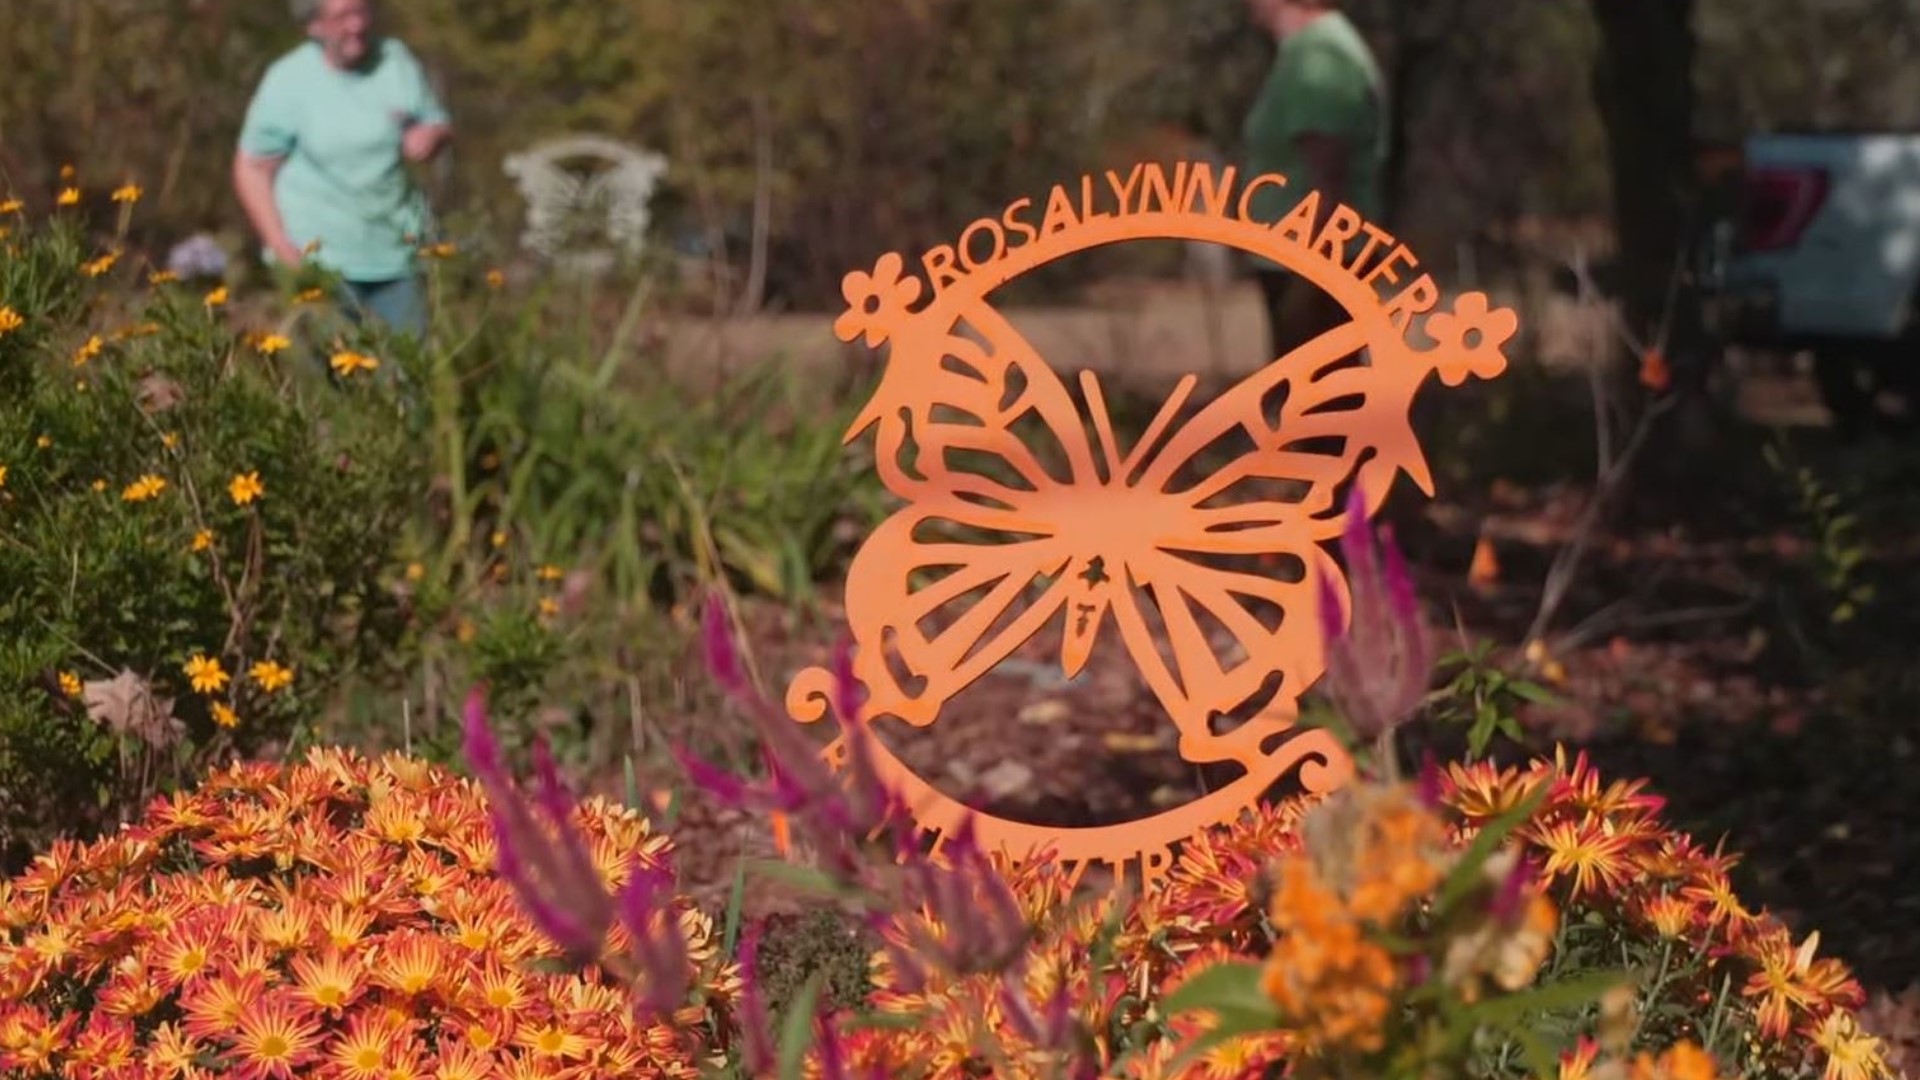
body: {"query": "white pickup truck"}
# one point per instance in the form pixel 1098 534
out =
pixel 1823 256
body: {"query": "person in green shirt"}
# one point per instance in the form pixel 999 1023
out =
pixel 1320 120
pixel 321 167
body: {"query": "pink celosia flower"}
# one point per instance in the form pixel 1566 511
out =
pixel 552 873
pixel 1379 661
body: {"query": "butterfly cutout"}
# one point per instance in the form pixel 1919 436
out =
pixel 1022 508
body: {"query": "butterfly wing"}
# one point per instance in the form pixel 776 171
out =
pixel 1232 571
pixel 985 444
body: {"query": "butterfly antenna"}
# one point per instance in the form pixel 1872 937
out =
pixel 1102 423
pixel 1175 401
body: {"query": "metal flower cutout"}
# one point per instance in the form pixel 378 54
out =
pixel 1472 339
pixel 876 302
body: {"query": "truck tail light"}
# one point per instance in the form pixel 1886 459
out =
pixel 1779 204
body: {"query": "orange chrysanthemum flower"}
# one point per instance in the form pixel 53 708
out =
pixel 1791 984
pixel 371 1047
pixel 275 1037
pixel 1596 859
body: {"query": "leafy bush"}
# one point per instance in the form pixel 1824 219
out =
pixel 340 914
pixel 192 534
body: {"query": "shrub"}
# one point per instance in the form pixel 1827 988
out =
pixel 193 536
pixel 341 913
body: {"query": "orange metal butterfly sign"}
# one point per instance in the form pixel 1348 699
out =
pixel 1201 542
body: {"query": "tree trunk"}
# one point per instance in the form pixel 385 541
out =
pixel 1643 85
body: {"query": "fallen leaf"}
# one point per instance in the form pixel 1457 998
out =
pixel 1121 742
pixel 158 393
pixel 1049 711
pixel 126 704
pixel 1655 373
pixel 1486 565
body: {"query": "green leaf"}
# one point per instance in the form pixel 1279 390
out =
pixel 735 903
pixel 800 877
pixel 796 1031
pixel 1511 1013
pixel 1533 692
pixel 1228 987
pixel 1466 874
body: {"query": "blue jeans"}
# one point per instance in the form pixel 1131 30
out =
pixel 398 303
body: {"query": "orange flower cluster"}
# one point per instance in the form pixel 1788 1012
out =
pixel 1606 849
pixel 340 918
pixel 1598 848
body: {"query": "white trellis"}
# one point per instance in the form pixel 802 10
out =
pixel 586 188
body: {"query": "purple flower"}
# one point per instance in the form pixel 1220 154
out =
pixel 756 1028
pixel 547 865
pixel 544 859
pixel 1379 661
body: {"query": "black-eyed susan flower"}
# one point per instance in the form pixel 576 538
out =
pixel 128 193
pixel 346 362
pixel 271 676
pixel 10 320
pixel 99 266
pixel 215 298
pixel 143 489
pixel 69 196
pixel 205 674
pixel 70 684
pixel 3 475
pixel 87 350
pixel 271 344
pixel 245 487
pixel 11 206
pixel 202 540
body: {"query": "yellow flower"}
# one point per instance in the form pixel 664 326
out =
pixel 100 265
pixel 11 206
pixel 549 607
pixel 308 296
pixel 224 716
pixel 217 297
pixel 43 442
pixel 80 385
pixel 550 573
pixel 464 631
pixel 162 277
pixel 67 173
pixel 496 279
pixel 206 675
pixel 3 476
pixel 69 197
pixel 70 684
pixel 10 320
pixel 499 538
pixel 99 485
pixel 415 571
pixel 270 344
pixel 127 193
pixel 202 540
pixel 346 363
pixel 170 439
pixel 439 251
pixel 88 351
pixel 144 488
pixel 271 676
pixel 246 487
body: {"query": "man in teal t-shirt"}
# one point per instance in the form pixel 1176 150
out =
pixel 321 166
pixel 1320 120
